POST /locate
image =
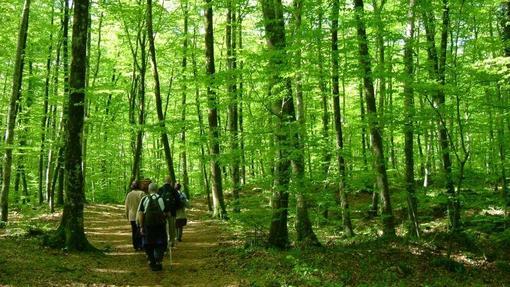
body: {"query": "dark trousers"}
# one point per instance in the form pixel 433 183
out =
pixel 179 233
pixel 155 253
pixel 136 236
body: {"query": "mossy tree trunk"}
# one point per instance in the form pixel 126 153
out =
pixel 71 230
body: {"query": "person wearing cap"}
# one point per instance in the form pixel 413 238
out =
pixel 132 202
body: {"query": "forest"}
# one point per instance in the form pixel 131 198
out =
pixel 320 142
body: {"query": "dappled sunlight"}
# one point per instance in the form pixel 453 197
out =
pixel 492 210
pixel 102 270
pixel 109 233
pixel 123 253
pixel 107 228
pixel 114 222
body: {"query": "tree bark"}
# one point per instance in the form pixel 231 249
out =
pixel 184 158
pixel 12 112
pixel 409 120
pixel 437 70
pixel 45 118
pixel 71 230
pixel 342 186
pixel 305 234
pixel 375 129
pixel 233 112
pixel 285 130
pixel 219 210
pixel 157 93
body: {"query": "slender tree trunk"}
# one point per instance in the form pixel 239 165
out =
pixel 71 230
pixel 342 186
pixel 381 65
pixel 12 112
pixel 184 159
pixel 157 93
pixel 505 23
pixel 375 129
pixel 305 233
pixel 233 112
pixel 219 209
pixel 45 118
pixel 437 71
pixel 241 95
pixel 409 120
pixel 203 168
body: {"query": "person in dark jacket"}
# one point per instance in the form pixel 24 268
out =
pixel 153 227
pixel 171 197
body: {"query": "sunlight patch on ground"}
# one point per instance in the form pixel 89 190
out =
pixel 468 261
pixel 123 253
pixel 103 270
pixel 108 233
pixel 492 210
pixel 107 206
pixel 105 228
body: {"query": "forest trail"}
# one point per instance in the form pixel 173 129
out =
pixel 193 261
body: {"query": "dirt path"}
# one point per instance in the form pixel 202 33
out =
pixel 193 259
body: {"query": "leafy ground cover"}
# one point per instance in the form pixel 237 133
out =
pixel 215 253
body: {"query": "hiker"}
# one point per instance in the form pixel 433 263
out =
pixel 180 218
pixel 171 197
pixel 153 227
pixel 132 202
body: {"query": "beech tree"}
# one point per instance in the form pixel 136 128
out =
pixel 17 80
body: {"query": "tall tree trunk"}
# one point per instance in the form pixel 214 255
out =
pixel 381 65
pixel 233 115
pixel 142 70
pixel 71 230
pixel 240 97
pixel 305 234
pixel 437 71
pixel 342 186
pixel 184 159
pixel 283 109
pixel 12 112
pixel 219 209
pixel 45 118
pixel 409 120
pixel 203 168
pixel 505 23
pixel 375 129
pixel 326 150
pixel 157 93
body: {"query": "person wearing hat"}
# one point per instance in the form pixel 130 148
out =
pixel 132 202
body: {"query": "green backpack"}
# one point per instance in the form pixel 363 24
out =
pixel 154 216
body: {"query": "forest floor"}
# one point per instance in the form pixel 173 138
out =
pixel 23 263
pixel 215 253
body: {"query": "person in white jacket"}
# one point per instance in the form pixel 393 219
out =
pixel 133 199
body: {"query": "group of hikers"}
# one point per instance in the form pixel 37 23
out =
pixel 157 217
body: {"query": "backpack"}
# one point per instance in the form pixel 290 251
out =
pixel 182 200
pixel 154 216
pixel 168 195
